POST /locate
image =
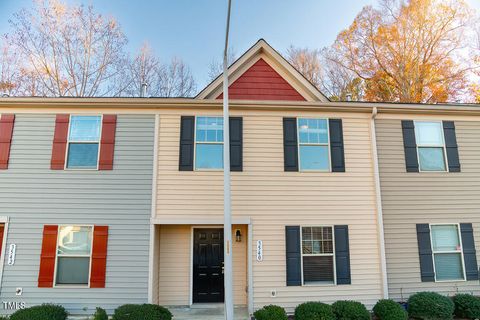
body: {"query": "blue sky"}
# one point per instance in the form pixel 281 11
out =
pixel 194 29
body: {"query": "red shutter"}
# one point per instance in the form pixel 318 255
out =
pixel 60 142
pixel 6 132
pixel 99 257
pixel 107 143
pixel 47 258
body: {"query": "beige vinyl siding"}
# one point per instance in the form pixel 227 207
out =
pixel 155 264
pixel 175 265
pixel 411 198
pixel 273 199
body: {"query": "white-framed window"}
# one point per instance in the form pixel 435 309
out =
pixel 447 252
pixel 83 142
pixel 74 255
pixel 318 255
pixel 208 143
pixel 430 146
pixel 313 144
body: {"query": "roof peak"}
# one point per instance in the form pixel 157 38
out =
pixel 263 50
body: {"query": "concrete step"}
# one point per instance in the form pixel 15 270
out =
pixel 207 312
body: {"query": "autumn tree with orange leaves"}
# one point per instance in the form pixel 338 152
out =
pixel 414 51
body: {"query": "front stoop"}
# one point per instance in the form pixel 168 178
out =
pixel 207 312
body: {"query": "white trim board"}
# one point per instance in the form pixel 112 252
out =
pixel 199 221
pixel 5 221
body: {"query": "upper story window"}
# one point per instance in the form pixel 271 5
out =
pixel 313 144
pixel 83 142
pixel 209 143
pixel 74 250
pixel 447 252
pixel 318 259
pixel 430 146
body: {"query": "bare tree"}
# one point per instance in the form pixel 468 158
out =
pixel 340 84
pixel 476 60
pixel 9 74
pixel 69 50
pixel 332 79
pixel 307 62
pixel 163 80
pixel 16 79
pixel 176 80
pixel 216 66
pixel 142 69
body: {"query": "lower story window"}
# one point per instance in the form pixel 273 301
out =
pixel 318 259
pixel 447 252
pixel 74 250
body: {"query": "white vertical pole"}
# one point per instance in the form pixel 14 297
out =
pixel 378 196
pixel 227 224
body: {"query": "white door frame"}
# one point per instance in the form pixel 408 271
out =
pixel 192 239
pixel 250 269
pixel 249 261
pixel 5 221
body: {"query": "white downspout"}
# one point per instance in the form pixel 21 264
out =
pixel 250 268
pixel 378 196
pixel 153 245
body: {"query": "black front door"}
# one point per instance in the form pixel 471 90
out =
pixel 208 265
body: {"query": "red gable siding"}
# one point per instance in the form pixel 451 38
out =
pixel 262 82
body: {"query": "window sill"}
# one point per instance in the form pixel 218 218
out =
pixel 450 281
pixel 319 284
pixel 72 286
pixel 420 171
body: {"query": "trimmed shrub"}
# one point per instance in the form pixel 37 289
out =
pixel 430 306
pixel 42 312
pixel 3 318
pixel 350 310
pixel 141 312
pixel 100 314
pixel 388 309
pixel 467 306
pixel 271 312
pixel 314 311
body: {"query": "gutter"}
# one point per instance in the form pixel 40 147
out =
pixel 378 196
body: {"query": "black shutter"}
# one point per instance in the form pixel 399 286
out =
pixel 337 153
pixel 294 264
pixel 187 129
pixel 451 145
pixel 410 145
pixel 236 141
pixel 342 255
pixel 469 252
pixel 290 144
pixel 425 253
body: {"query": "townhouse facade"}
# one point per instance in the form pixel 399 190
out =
pixel 112 201
pixel 75 194
pixel 429 170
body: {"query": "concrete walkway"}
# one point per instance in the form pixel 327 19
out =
pixel 207 312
